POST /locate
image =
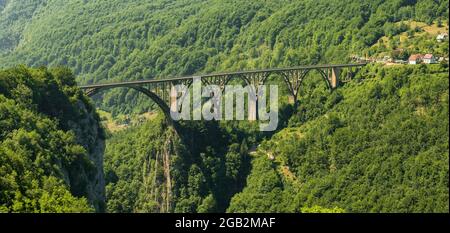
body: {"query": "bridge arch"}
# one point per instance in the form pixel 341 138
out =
pixel 154 97
pixel 324 76
pixel 157 90
pixel 294 80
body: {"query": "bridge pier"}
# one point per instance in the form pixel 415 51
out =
pixel 334 81
pixel 292 99
pixel 253 110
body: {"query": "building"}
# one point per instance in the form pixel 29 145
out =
pixel 429 59
pixel 441 37
pixel 415 59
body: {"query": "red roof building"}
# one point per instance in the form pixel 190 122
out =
pixel 429 58
pixel 415 59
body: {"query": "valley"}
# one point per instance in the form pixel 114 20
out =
pixel 376 143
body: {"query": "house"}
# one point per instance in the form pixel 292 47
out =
pixel 429 59
pixel 415 59
pixel 441 37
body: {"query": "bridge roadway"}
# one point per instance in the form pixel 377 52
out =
pixel 272 70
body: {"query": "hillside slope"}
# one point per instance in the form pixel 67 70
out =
pixel 116 40
pixel 377 144
pixel 198 168
pixel 51 144
pixel 382 146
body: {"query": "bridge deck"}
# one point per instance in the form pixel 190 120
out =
pixel 127 83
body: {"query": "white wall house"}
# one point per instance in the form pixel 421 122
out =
pixel 415 59
pixel 429 58
pixel 441 37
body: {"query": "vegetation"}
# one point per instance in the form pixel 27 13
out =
pixel 382 147
pixel 409 38
pixel 203 174
pixel 44 167
pixel 149 39
pixel 379 143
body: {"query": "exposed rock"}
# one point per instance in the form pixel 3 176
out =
pixel 87 178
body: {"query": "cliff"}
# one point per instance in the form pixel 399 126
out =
pixel 51 144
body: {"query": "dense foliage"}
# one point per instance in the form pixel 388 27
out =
pixel 208 164
pixel 44 167
pixel 382 147
pixel 128 40
pixel 377 144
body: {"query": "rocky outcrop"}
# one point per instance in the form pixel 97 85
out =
pixel 86 178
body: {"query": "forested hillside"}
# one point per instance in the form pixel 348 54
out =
pixel 51 144
pixel 198 168
pixel 379 144
pixel 127 40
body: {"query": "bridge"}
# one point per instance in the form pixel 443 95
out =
pixel 158 90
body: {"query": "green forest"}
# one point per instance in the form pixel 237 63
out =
pixel 49 142
pixel 378 143
pixel 380 146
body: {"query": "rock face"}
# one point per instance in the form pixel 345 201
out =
pixel 143 177
pixel 158 168
pixel 87 178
